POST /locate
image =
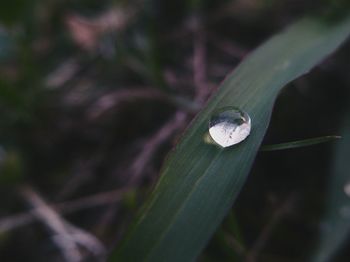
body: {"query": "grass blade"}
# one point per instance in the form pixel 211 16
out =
pixel 299 143
pixel 336 222
pixel 199 182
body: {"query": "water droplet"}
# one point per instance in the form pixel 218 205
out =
pixel 229 126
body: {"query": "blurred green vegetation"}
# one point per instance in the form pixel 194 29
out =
pixel 86 87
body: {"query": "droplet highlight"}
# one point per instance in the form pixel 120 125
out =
pixel 229 126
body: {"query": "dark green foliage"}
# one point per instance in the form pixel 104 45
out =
pixel 95 93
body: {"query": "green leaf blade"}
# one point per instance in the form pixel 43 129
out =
pixel 199 182
pixel 335 228
pixel 299 143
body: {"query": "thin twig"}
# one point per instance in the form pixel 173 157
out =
pixel 100 199
pixel 82 173
pixel 14 221
pixel 200 62
pixel 152 146
pixel 114 196
pixel 112 100
pixel 268 229
pixel 61 236
pixel 66 236
pixel 93 201
pixel 143 159
pixel 234 243
pixel 228 47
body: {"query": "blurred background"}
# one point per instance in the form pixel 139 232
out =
pixel 94 93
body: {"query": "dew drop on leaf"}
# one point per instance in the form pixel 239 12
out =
pixel 229 126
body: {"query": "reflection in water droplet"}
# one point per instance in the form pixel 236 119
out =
pixel 347 189
pixel 229 126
